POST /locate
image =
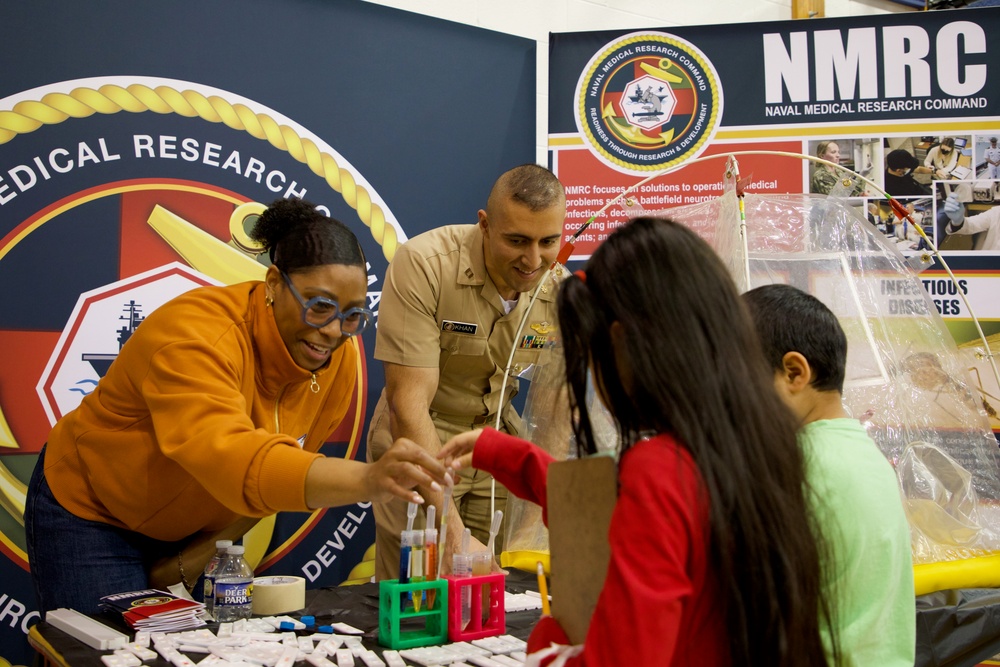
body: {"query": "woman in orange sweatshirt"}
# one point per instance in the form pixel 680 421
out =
pixel 212 414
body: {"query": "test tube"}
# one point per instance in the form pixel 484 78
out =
pixel 417 567
pixel 462 567
pixel 405 549
pixel 430 549
pixel 405 546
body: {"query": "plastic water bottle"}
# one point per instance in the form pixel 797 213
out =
pixel 233 587
pixel 208 592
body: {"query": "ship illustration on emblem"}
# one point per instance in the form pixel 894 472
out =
pixel 133 318
pixel 650 101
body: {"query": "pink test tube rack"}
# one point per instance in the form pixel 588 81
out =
pixel 496 620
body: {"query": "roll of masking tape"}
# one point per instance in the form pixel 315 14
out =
pixel 278 595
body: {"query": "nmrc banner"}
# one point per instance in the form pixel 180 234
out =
pixel 909 101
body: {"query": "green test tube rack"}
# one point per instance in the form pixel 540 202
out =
pixel 431 625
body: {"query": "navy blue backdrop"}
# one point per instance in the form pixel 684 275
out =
pixel 418 115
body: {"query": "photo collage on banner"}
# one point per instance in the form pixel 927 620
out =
pixel 908 101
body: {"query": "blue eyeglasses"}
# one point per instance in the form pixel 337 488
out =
pixel 319 311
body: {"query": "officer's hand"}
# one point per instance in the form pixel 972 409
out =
pixel 954 210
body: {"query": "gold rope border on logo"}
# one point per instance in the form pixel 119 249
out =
pixel 54 108
pixel 696 56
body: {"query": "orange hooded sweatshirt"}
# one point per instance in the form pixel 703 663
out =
pixel 202 418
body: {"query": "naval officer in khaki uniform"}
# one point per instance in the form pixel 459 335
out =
pixel 451 304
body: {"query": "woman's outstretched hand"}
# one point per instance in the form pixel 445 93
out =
pixel 403 467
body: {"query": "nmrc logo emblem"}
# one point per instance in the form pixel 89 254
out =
pixel 648 101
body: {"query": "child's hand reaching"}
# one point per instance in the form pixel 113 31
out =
pixel 457 452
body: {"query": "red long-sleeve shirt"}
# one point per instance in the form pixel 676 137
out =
pixel 659 604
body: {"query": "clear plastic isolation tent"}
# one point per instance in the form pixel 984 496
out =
pixel 907 382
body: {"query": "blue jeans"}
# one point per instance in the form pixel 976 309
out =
pixel 75 561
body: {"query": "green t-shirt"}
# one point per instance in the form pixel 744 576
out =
pixel 857 502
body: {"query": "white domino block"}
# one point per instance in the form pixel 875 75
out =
pixel 144 654
pixel 127 659
pixel 92 633
pixel 393 659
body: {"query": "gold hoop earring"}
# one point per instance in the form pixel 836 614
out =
pixel 268 300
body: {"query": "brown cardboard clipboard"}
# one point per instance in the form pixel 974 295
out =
pixel 581 497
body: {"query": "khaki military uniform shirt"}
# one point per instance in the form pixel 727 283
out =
pixel 440 308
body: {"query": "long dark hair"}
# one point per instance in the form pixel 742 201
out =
pixel 697 371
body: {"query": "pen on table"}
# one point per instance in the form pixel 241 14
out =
pixel 543 590
pixel 430 548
